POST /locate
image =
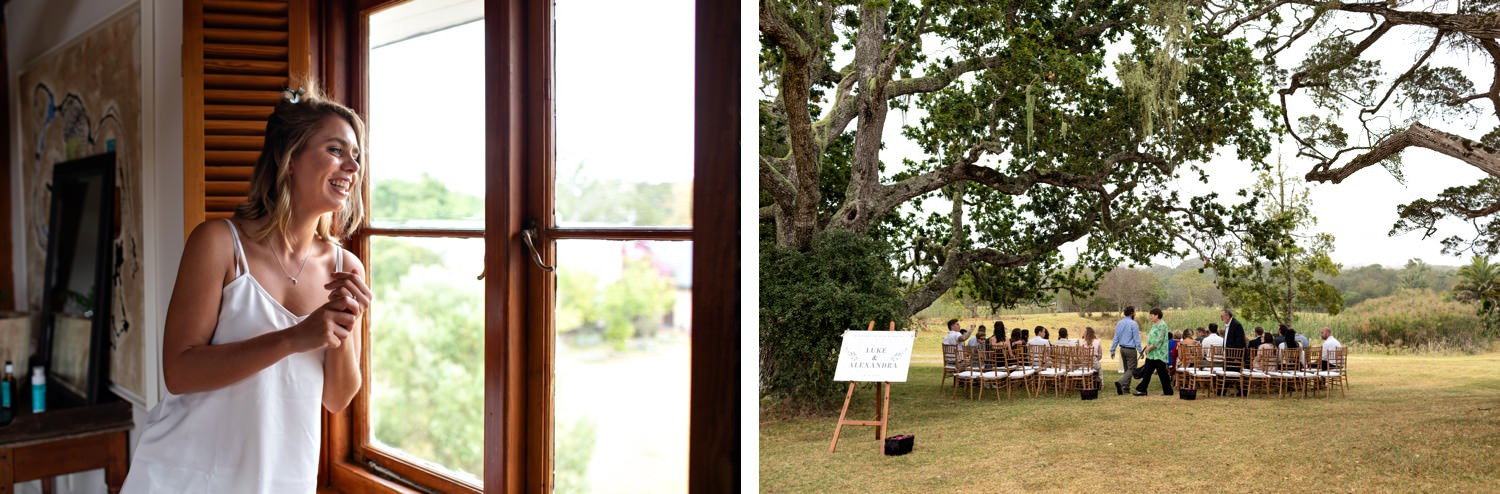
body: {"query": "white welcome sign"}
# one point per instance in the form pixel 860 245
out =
pixel 875 356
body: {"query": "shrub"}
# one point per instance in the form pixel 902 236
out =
pixel 807 300
pixel 1414 320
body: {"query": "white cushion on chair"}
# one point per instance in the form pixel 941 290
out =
pixel 967 374
pixel 992 375
pixel 1022 373
pixel 1330 373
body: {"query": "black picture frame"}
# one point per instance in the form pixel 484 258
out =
pixel 73 345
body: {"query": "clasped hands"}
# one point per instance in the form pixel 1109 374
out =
pixel 330 325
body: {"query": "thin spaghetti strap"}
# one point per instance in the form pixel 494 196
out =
pixel 338 258
pixel 239 252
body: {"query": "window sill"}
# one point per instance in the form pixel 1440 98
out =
pixel 350 477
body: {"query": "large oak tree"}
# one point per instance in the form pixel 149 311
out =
pixel 1035 132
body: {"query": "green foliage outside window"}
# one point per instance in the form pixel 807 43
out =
pixel 426 335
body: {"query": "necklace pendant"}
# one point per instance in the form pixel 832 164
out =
pixel 294 280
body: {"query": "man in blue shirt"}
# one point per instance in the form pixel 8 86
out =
pixel 1128 341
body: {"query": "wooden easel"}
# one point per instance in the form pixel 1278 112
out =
pixel 882 410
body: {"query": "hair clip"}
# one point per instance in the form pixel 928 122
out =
pixel 294 95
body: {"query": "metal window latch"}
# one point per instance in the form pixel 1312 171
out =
pixel 529 236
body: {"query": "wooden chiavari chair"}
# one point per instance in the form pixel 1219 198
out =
pixel 1084 369
pixel 968 368
pixel 994 372
pixel 1262 366
pixel 1233 370
pixel 1199 369
pixel 1051 370
pixel 950 362
pixel 1021 373
pixel 1337 371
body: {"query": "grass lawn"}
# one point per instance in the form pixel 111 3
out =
pixel 1408 424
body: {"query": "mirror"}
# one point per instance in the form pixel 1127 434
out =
pixel 74 342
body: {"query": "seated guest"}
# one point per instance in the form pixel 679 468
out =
pixel 1265 355
pixel 953 333
pixel 1187 341
pixel 1091 341
pixel 1330 344
pixel 1288 337
pixel 999 337
pixel 1062 338
pixel 1213 339
pixel 1301 340
pixel 1259 332
pixel 980 340
pixel 1202 333
pixel 1172 343
pixel 1040 339
pixel 1017 337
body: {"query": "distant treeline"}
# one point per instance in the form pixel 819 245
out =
pixel 1185 286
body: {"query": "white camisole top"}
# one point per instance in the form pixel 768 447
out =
pixel 259 435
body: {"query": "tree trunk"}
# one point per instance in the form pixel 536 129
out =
pixel 864 188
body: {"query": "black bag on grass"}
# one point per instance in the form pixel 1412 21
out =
pixel 1187 393
pixel 899 445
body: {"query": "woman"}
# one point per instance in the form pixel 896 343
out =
pixel 1288 337
pixel 1156 356
pixel 245 374
pixel 1017 338
pixel 1091 341
pixel 1265 355
pixel 999 337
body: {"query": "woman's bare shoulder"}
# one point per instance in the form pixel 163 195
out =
pixel 211 244
pixel 351 262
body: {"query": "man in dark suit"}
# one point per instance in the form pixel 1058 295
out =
pixel 1234 337
pixel 1234 334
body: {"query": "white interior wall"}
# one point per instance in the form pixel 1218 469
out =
pixel 34 27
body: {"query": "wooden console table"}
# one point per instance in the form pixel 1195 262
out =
pixel 64 441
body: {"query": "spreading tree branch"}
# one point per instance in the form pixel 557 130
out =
pixel 1417 135
pixel 941 79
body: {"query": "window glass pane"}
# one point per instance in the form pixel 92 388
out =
pixel 624 117
pixel 426 370
pixel 621 368
pixel 426 111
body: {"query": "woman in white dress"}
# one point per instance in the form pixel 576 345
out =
pixel 261 331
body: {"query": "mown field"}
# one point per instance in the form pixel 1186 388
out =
pixel 1410 423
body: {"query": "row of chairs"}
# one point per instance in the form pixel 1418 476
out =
pixel 1288 370
pixel 1036 369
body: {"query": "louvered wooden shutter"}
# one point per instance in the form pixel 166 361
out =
pixel 237 56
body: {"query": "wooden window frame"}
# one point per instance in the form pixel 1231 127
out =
pixel 519 183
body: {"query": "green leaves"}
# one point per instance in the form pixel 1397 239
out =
pixel 808 299
pixel 1479 284
pixel 1279 266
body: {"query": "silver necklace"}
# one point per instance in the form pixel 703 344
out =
pixel 283 267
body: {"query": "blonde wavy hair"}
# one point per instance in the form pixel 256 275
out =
pixel 299 113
